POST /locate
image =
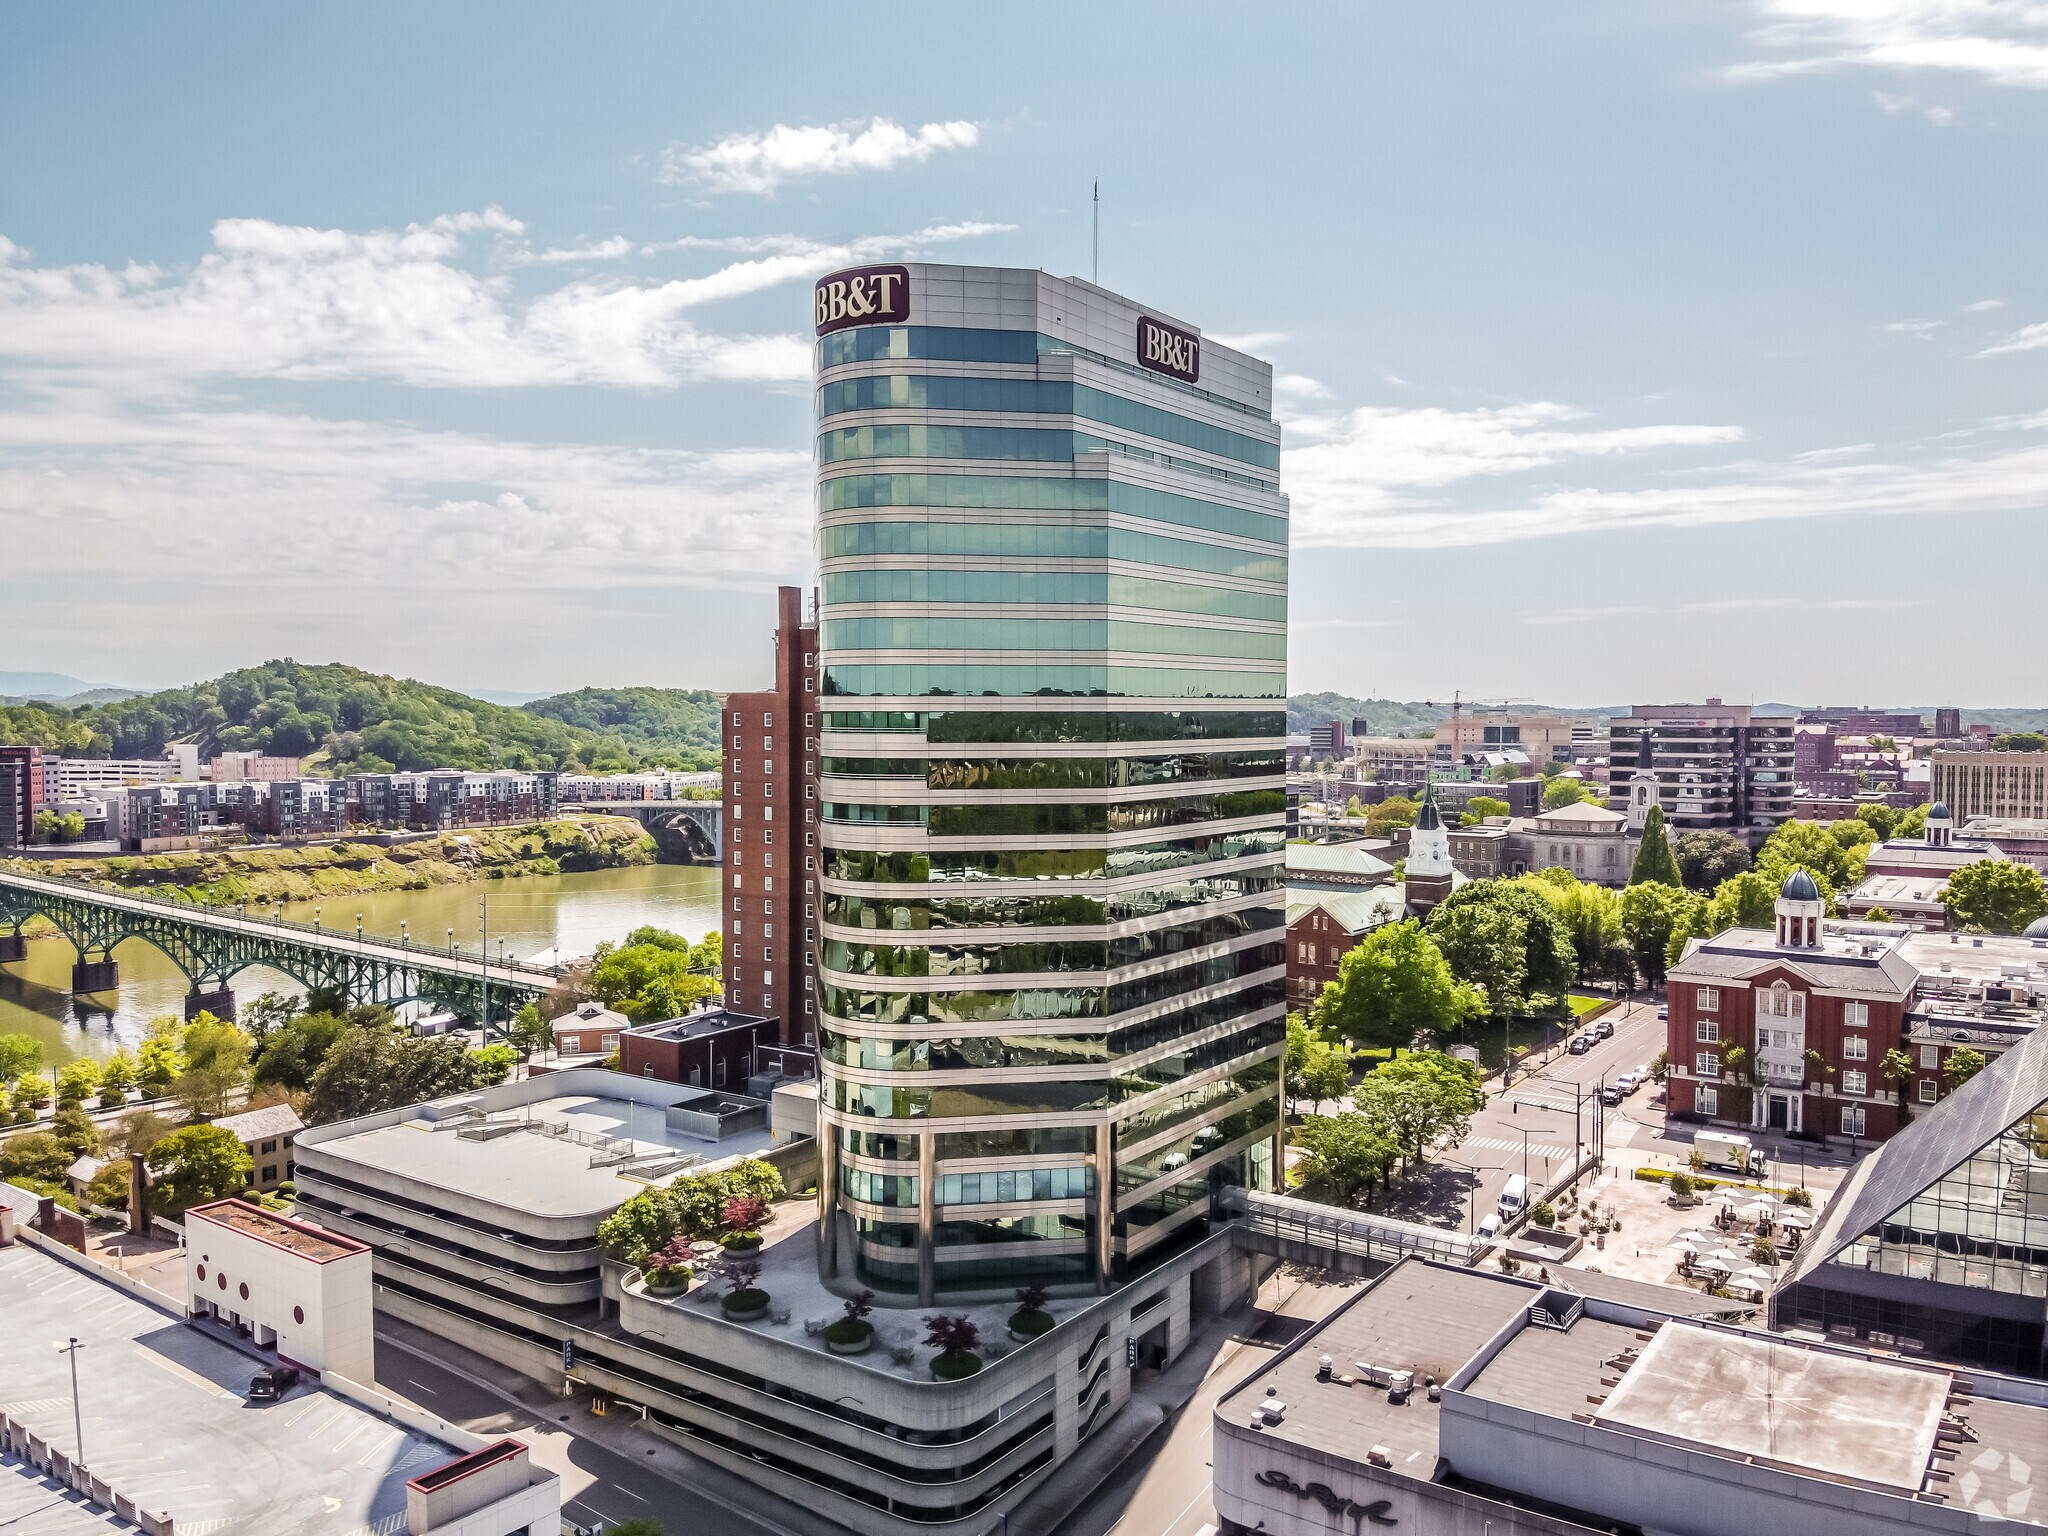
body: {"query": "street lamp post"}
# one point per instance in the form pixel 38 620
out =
pixel 77 1418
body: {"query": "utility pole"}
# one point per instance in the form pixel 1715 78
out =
pixel 483 954
pixel 77 1419
pixel 1095 270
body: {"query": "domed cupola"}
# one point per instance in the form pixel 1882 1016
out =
pixel 1941 827
pixel 2037 930
pixel 1800 908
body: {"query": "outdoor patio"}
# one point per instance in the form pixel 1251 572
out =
pixel 1691 1247
pixel 800 1305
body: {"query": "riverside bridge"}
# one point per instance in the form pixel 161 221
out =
pixel 212 945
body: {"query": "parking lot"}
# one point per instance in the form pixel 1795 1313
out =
pixel 166 1421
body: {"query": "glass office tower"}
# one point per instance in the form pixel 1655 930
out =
pixel 1052 733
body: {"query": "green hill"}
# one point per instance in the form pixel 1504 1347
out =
pixel 655 723
pixel 362 721
pixel 1388 717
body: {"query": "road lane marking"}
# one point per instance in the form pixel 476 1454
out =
pixel 629 1493
pixel 360 1427
pixel 304 1408
pixel 327 1425
pixel 371 1454
pixel 422 1386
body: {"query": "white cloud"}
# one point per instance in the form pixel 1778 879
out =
pixel 1924 329
pixel 1941 117
pixel 1983 304
pixel 1360 491
pixel 287 302
pixel 761 162
pixel 2001 41
pixel 1353 480
pixel 268 505
pixel 2030 338
pixel 1250 341
pixel 1300 387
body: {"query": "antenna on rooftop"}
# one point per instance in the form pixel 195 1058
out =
pixel 1095 270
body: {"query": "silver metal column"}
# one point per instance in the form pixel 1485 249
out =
pixel 927 1218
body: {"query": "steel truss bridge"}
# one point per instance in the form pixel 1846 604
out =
pixel 212 945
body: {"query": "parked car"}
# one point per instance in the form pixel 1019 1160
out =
pixel 1603 1028
pixel 1613 1093
pixel 1580 1044
pixel 272 1383
pixel 1489 1224
pixel 1663 1010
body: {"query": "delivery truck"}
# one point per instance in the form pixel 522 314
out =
pixel 1723 1150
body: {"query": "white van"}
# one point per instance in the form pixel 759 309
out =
pixel 1489 1225
pixel 1514 1196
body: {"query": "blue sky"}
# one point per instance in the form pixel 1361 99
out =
pixel 1627 352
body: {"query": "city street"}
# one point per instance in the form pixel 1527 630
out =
pixel 1530 1126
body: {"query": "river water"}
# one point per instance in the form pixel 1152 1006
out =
pixel 574 913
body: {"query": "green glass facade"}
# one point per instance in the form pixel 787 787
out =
pixel 1048 845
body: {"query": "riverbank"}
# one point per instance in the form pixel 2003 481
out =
pixel 266 874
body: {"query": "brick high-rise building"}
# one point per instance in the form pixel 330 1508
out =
pixel 770 904
pixel 21 793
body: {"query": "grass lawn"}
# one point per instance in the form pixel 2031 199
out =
pixel 1586 1004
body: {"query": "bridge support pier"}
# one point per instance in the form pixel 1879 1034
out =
pixel 13 946
pixel 101 975
pixel 221 1004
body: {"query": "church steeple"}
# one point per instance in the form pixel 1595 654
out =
pixel 1430 872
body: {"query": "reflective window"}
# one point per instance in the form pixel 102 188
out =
pixel 998 1186
pixel 1067 587
pixel 878 1188
pixel 899 866
pixel 1036 494
pixel 1044 397
pixel 1008 634
pixel 1041 1142
pixel 908 681
pixel 1048 542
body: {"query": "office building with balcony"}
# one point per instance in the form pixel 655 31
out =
pixel 1814 1008
pixel 1053 644
pixel 1716 768
pixel 771 836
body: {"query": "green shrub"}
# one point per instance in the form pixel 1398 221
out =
pixel 1543 1215
pixel 1681 1186
pixel 1799 1197
pixel 752 1299
pixel 955 1365
pixel 848 1330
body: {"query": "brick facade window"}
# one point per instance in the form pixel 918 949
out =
pixel 1707 1031
pixel 1855 1048
pixel 1707 1064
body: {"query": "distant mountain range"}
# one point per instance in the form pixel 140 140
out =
pixel 1389 717
pixel 57 688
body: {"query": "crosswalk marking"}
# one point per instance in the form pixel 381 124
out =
pixel 388 1526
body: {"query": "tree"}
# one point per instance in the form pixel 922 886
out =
pixel 1593 917
pixel 117 1073
pixel 1811 846
pixel 649 979
pixel 109 1187
pixel 530 1032
pixel 1561 792
pixel 493 1064
pixel 1897 1069
pixel 369 1070
pixel 19 1054
pixel 139 1130
pixel 35 1155
pixel 2020 741
pixel 158 1058
pixel 1913 823
pixel 1996 895
pixel 1485 948
pixel 639 1525
pixel 1650 915
pixel 1315 1069
pixel 1479 807
pixel 271 1011
pixel 195 1165
pixel 1394 811
pixel 293 1053
pixel 1878 914
pixel 1654 859
pixel 1962 1065
pixel 78 1081
pixel 216 1067
pixel 1419 1099
pixel 1345 1153
pixel 73 1127
pixel 1705 859
pixel 1882 820
pixel 1528 950
pixel 30 1088
pixel 1391 987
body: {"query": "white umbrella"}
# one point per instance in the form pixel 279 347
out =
pixel 1716 1263
pixel 1794 1217
pixel 1756 1275
pixel 1689 1239
pixel 1721 1197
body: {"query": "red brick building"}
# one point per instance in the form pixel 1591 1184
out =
pixel 1812 1013
pixel 1323 927
pixel 771 836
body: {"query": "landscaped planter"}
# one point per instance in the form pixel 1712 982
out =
pixel 850 1337
pixel 668 1287
pixel 746 1307
pixel 741 1242
pixel 1028 1324
pixel 955 1365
